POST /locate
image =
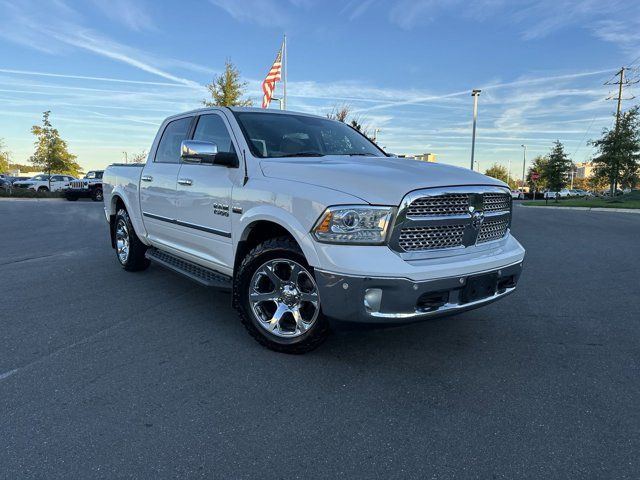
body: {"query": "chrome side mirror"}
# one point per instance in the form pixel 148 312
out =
pixel 196 151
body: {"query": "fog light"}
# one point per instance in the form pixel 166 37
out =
pixel 372 299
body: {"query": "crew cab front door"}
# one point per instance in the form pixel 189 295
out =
pixel 204 197
pixel 158 185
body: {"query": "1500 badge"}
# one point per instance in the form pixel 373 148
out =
pixel 220 209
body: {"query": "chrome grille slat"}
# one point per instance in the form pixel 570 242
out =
pixel 421 238
pixel 496 202
pixel 450 204
pixel 492 230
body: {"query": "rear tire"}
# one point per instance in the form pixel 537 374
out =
pixel 130 250
pixel 301 326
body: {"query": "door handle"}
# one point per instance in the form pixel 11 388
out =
pixel 146 178
pixel 185 181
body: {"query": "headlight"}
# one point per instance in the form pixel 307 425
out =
pixel 354 224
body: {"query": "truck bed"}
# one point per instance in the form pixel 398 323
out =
pixel 124 179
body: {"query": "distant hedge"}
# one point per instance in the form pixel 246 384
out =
pixel 28 193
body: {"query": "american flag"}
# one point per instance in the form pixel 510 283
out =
pixel 269 84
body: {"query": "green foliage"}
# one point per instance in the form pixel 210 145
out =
pixel 51 154
pixel 22 167
pixel 539 165
pixel 618 152
pixel 4 158
pixel 557 168
pixel 498 171
pixel 227 90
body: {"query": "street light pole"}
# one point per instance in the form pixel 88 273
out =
pixel 524 162
pixel 475 94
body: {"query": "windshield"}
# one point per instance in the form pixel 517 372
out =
pixel 92 175
pixel 40 177
pixel 276 135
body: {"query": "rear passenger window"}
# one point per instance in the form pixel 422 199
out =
pixel 211 128
pixel 172 137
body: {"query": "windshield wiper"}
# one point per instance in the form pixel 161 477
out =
pixel 366 154
pixel 302 154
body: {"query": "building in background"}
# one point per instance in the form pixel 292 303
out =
pixel 584 170
pixel 426 157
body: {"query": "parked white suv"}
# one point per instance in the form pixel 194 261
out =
pixel 306 220
pixel 41 183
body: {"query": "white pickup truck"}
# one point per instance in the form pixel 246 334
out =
pixel 308 221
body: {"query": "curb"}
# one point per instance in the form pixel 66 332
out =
pixel 587 209
pixel 26 199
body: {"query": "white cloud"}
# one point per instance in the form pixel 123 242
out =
pixel 55 28
pixel 266 13
pixel 131 13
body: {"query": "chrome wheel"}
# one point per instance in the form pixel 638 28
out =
pixel 122 241
pixel 284 298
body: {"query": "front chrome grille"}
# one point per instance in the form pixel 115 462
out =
pixel 421 238
pixel 450 204
pixel 453 217
pixel 492 230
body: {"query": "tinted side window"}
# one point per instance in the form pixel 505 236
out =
pixel 211 128
pixel 173 135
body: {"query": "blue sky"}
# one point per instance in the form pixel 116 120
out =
pixel 110 71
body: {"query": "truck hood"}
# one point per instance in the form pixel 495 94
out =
pixel 376 180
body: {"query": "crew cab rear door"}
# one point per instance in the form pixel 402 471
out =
pixel 204 196
pixel 158 184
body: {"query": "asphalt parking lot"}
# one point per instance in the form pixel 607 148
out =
pixel 107 374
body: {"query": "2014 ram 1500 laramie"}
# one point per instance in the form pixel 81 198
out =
pixel 306 220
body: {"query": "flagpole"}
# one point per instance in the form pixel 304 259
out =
pixel 285 59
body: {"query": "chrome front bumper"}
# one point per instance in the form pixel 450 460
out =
pixel 399 300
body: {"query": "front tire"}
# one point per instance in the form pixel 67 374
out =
pixel 43 189
pixel 277 298
pixel 130 251
pixel 97 195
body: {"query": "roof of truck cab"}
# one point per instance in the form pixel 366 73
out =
pixel 200 111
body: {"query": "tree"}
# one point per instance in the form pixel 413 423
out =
pixel 342 113
pixel 557 167
pixel 227 90
pixel 618 151
pixel 4 158
pixel 499 172
pixel 51 154
pixel 539 166
pixel 139 157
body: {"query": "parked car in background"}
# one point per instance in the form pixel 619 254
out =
pixel 517 194
pixel 88 187
pixel 5 184
pixel 305 219
pixel 564 193
pixel 41 183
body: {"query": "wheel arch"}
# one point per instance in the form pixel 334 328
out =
pixel 259 227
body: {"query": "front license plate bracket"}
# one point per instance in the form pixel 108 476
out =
pixel 479 287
